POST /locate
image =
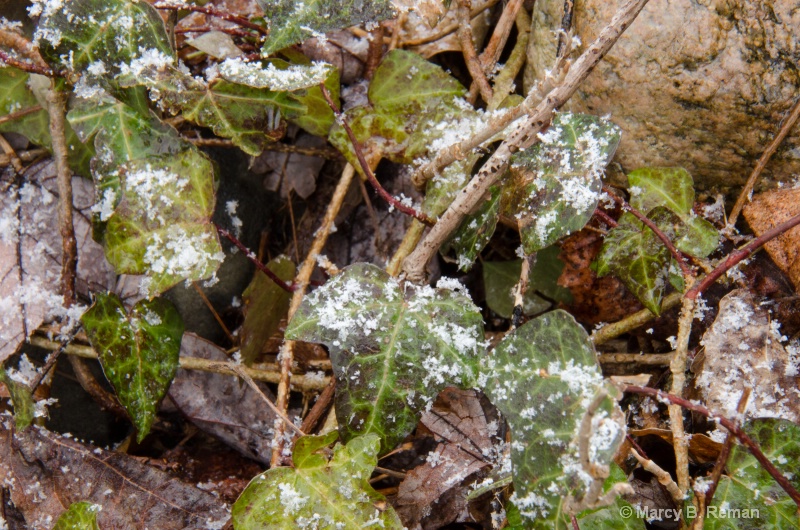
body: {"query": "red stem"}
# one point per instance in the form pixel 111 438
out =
pixel 252 257
pixel 214 13
pixel 388 197
pixel 28 67
pixel 607 219
pixel 738 255
pixel 732 427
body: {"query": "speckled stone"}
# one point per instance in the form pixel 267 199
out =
pixel 698 84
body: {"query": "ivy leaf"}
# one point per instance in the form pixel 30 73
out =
pixel 138 351
pixel 21 398
pixel 543 376
pixel 392 351
pixel 749 489
pixel 554 186
pixel 611 517
pixel 441 190
pixel 291 22
pixel 499 279
pixel 103 36
pixel 634 254
pixel 79 516
pixel 275 74
pixel 474 232
pixel 265 304
pixel 317 492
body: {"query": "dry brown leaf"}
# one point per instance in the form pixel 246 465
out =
pixel 48 472
pixel 30 252
pixel 769 209
pixel 702 449
pixel 743 350
pixel 220 405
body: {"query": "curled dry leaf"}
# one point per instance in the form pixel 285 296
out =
pixel 50 472
pixel 768 210
pixel 743 350
pixel 30 253
pixel 222 406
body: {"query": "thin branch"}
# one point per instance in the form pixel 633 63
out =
pixel 214 13
pixel 677 367
pixel 631 322
pixel 645 359
pixel 16 163
pixel 502 30
pixel 252 257
pixel 523 135
pixel 744 196
pixel 603 216
pixel 375 51
pixel 252 384
pixel 214 313
pixel 574 521
pixel 520 289
pixel 504 80
pixel 53 357
pixel 474 65
pixel 301 283
pixel 20 113
pixel 738 255
pixel 28 67
pixel 732 427
pixel 664 478
pixel 447 30
pixel 320 407
pixel 388 197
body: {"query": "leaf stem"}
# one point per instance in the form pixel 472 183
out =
pixel 362 161
pixel 252 257
pixel 214 13
pixel 732 427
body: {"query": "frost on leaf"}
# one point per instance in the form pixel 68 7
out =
pixel 79 516
pixel 138 352
pixel 318 492
pixel 271 76
pixel 748 486
pixel 543 377
pixel 30 254
pixel 743 350
pixel 474 232
pixel 291 22
pixel 392 351
pixel 554 186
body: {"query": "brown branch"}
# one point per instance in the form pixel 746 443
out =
pixel 744 196
pixel 214 13
pixel 523 135
pixel 362 161
pixel 249 254
pixel 603 216
pixel 375 52
pixel 20 113
pixel 320 407
pixel 474 65
pixel 213 311
pixel 738 255
pixel 28 67
pixel 732 427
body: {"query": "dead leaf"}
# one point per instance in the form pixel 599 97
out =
pixel 769 209
pixel 220 405
pixel 426 40
pixel 30 253
pixel 291 171
pixel 49 472
pixel 743 350
pixel 702 449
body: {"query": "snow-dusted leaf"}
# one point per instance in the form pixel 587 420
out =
pixel 101 36
pixel 748 489
pixel 291 22
pixel 611 517
pixel 543 376
pixel 743 350
pixel 21 399
pixel 265 304
pixel 392 351
pixel 318 492
pixel 475 232
pixel 50 472
pixel 412 102
pixel 138 351
pixel 30 253
pixel 220 405
pixel 554 186
pixel 80 516
pixel 441 190
pixel 634 254
pixel 274 75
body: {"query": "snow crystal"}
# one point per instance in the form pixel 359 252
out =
pixel 295 77
pixel 148 59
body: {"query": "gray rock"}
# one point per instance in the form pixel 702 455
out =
pixel 702 84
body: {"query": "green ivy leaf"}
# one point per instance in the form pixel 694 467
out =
pixel 79 516
pixel 747 486
pixel 543 376
pixel 441 190
pixel 138 351
pixel 697 237
pixel 554 186
pixel 291 22
pixel 499 279
pixel 392 351
pixel 265 304
pixel 611 517
pixel 474 232
pixel 634 254
pixel 21 398
pixel 103 36
pixel 317 492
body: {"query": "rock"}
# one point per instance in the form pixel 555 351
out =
pixel 702 84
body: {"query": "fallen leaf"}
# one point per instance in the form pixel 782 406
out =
pixel 50 472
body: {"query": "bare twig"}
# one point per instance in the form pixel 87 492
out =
pixel 502 30
pixel 252 257
pixel 16 163
pixel 677 367
pixel 410 240
pixel 744 195
pixel 468 49
pixel 301 283
pixel 520 289
pixel 732 427
pixel 252 384
pixel 646 359
pixel 523 135
pixel 664 478
pixel 103 397
pixel 574 521
pixel 504 80
pixel 214 313
pixel 53 357
pixel 375 51
pixel 320 407
pixel 28 67
pixel 388 197
pixel 631 322
pixel 603 216
pixel 214 13
pixel 450 28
